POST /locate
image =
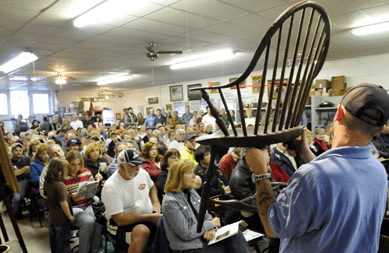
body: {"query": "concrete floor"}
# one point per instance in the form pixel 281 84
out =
pixel 37 240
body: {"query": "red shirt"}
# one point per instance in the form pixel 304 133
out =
pixel 72 183
pixel 152 169
pixel 227 165
pixel 278 173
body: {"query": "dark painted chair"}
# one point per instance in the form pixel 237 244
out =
pixel 295 48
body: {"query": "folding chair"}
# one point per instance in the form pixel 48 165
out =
pixel 295 46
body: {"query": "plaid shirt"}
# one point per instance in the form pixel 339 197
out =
pixel 227 165
pixel 72 185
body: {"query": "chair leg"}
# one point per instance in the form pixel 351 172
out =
pixel 206 192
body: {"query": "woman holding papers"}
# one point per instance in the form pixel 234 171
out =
pixel 180 207
pixel 90 231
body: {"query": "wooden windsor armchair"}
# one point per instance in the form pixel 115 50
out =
pixel 295 47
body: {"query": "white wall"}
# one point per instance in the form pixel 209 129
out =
pixel 373 69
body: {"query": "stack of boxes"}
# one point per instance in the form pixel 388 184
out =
pixel 325 88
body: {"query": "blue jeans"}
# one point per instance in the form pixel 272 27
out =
pixel 59 238
pixel 90 231
pixel 233 244
pixel 18 197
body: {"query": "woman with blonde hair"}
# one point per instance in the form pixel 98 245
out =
pixel 66 124
pixel 32 147
pixel 151 165
pixel 181 223
pixel 90 231
pixel 93 158
pixel 250 120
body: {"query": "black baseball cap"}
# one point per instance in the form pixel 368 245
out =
pixel 367 96
pixel 130 156
pixel 73 142
pixel 189 135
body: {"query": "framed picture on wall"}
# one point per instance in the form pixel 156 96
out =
pixel 141 110
pixel 241 85
pixel 194 95
pixel 148 110
pixel 153 100
pixel 169 107
pixel 214 85
pixel 256 84
pixel 277 84
pixel 176 93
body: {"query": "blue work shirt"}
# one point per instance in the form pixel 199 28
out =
pixel 336 203
pixel 185 118
pixel 149 120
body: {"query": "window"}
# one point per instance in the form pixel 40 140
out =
pixel 40 103
pixel 3 104
pixel 19 103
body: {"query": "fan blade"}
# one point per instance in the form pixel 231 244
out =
pixel 169 52
pixel 149 48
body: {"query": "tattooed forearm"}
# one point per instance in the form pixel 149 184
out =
pixel 265 196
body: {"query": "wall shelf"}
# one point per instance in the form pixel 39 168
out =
pixel 319 115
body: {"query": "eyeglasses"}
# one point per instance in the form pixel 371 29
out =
pixel 175 157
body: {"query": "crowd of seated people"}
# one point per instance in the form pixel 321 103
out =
pixel 157 158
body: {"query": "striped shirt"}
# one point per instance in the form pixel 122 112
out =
pixel 73 183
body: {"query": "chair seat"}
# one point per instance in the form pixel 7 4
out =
pixel 251 140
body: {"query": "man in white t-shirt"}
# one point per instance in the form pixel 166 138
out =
pixel 76 123
pixel 130 198
pixel 209 119
pixel 178 143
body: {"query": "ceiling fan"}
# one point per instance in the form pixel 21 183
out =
pixel 154 55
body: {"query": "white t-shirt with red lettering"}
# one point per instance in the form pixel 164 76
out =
pixel 128 196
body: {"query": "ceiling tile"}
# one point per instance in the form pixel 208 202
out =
pixel 140 36
pixel 152 26
pixel 181 18
pixel 143 10
pixel 349 41
pixel 100 46
pixel 44 39
pixel 254 5
pixel 363 4
pixel 16 15
pixel 71 9
pixel 207 36
pixel 185 43
pixel 35 5
pixel 228 30
pixel 210 9
pixel 164 2
pixel 252 22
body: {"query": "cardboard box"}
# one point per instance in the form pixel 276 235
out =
pixel 338 82
pixel 323 83
pixel 339 92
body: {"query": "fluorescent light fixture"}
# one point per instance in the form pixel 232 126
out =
pixel 115 75
pixel 114 80
pixel 109 10
pixel 60 81
pixel 369 29
pixel 18 62
pixel 18 78
pixel 205 59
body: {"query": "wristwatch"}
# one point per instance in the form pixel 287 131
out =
pixel 257 177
